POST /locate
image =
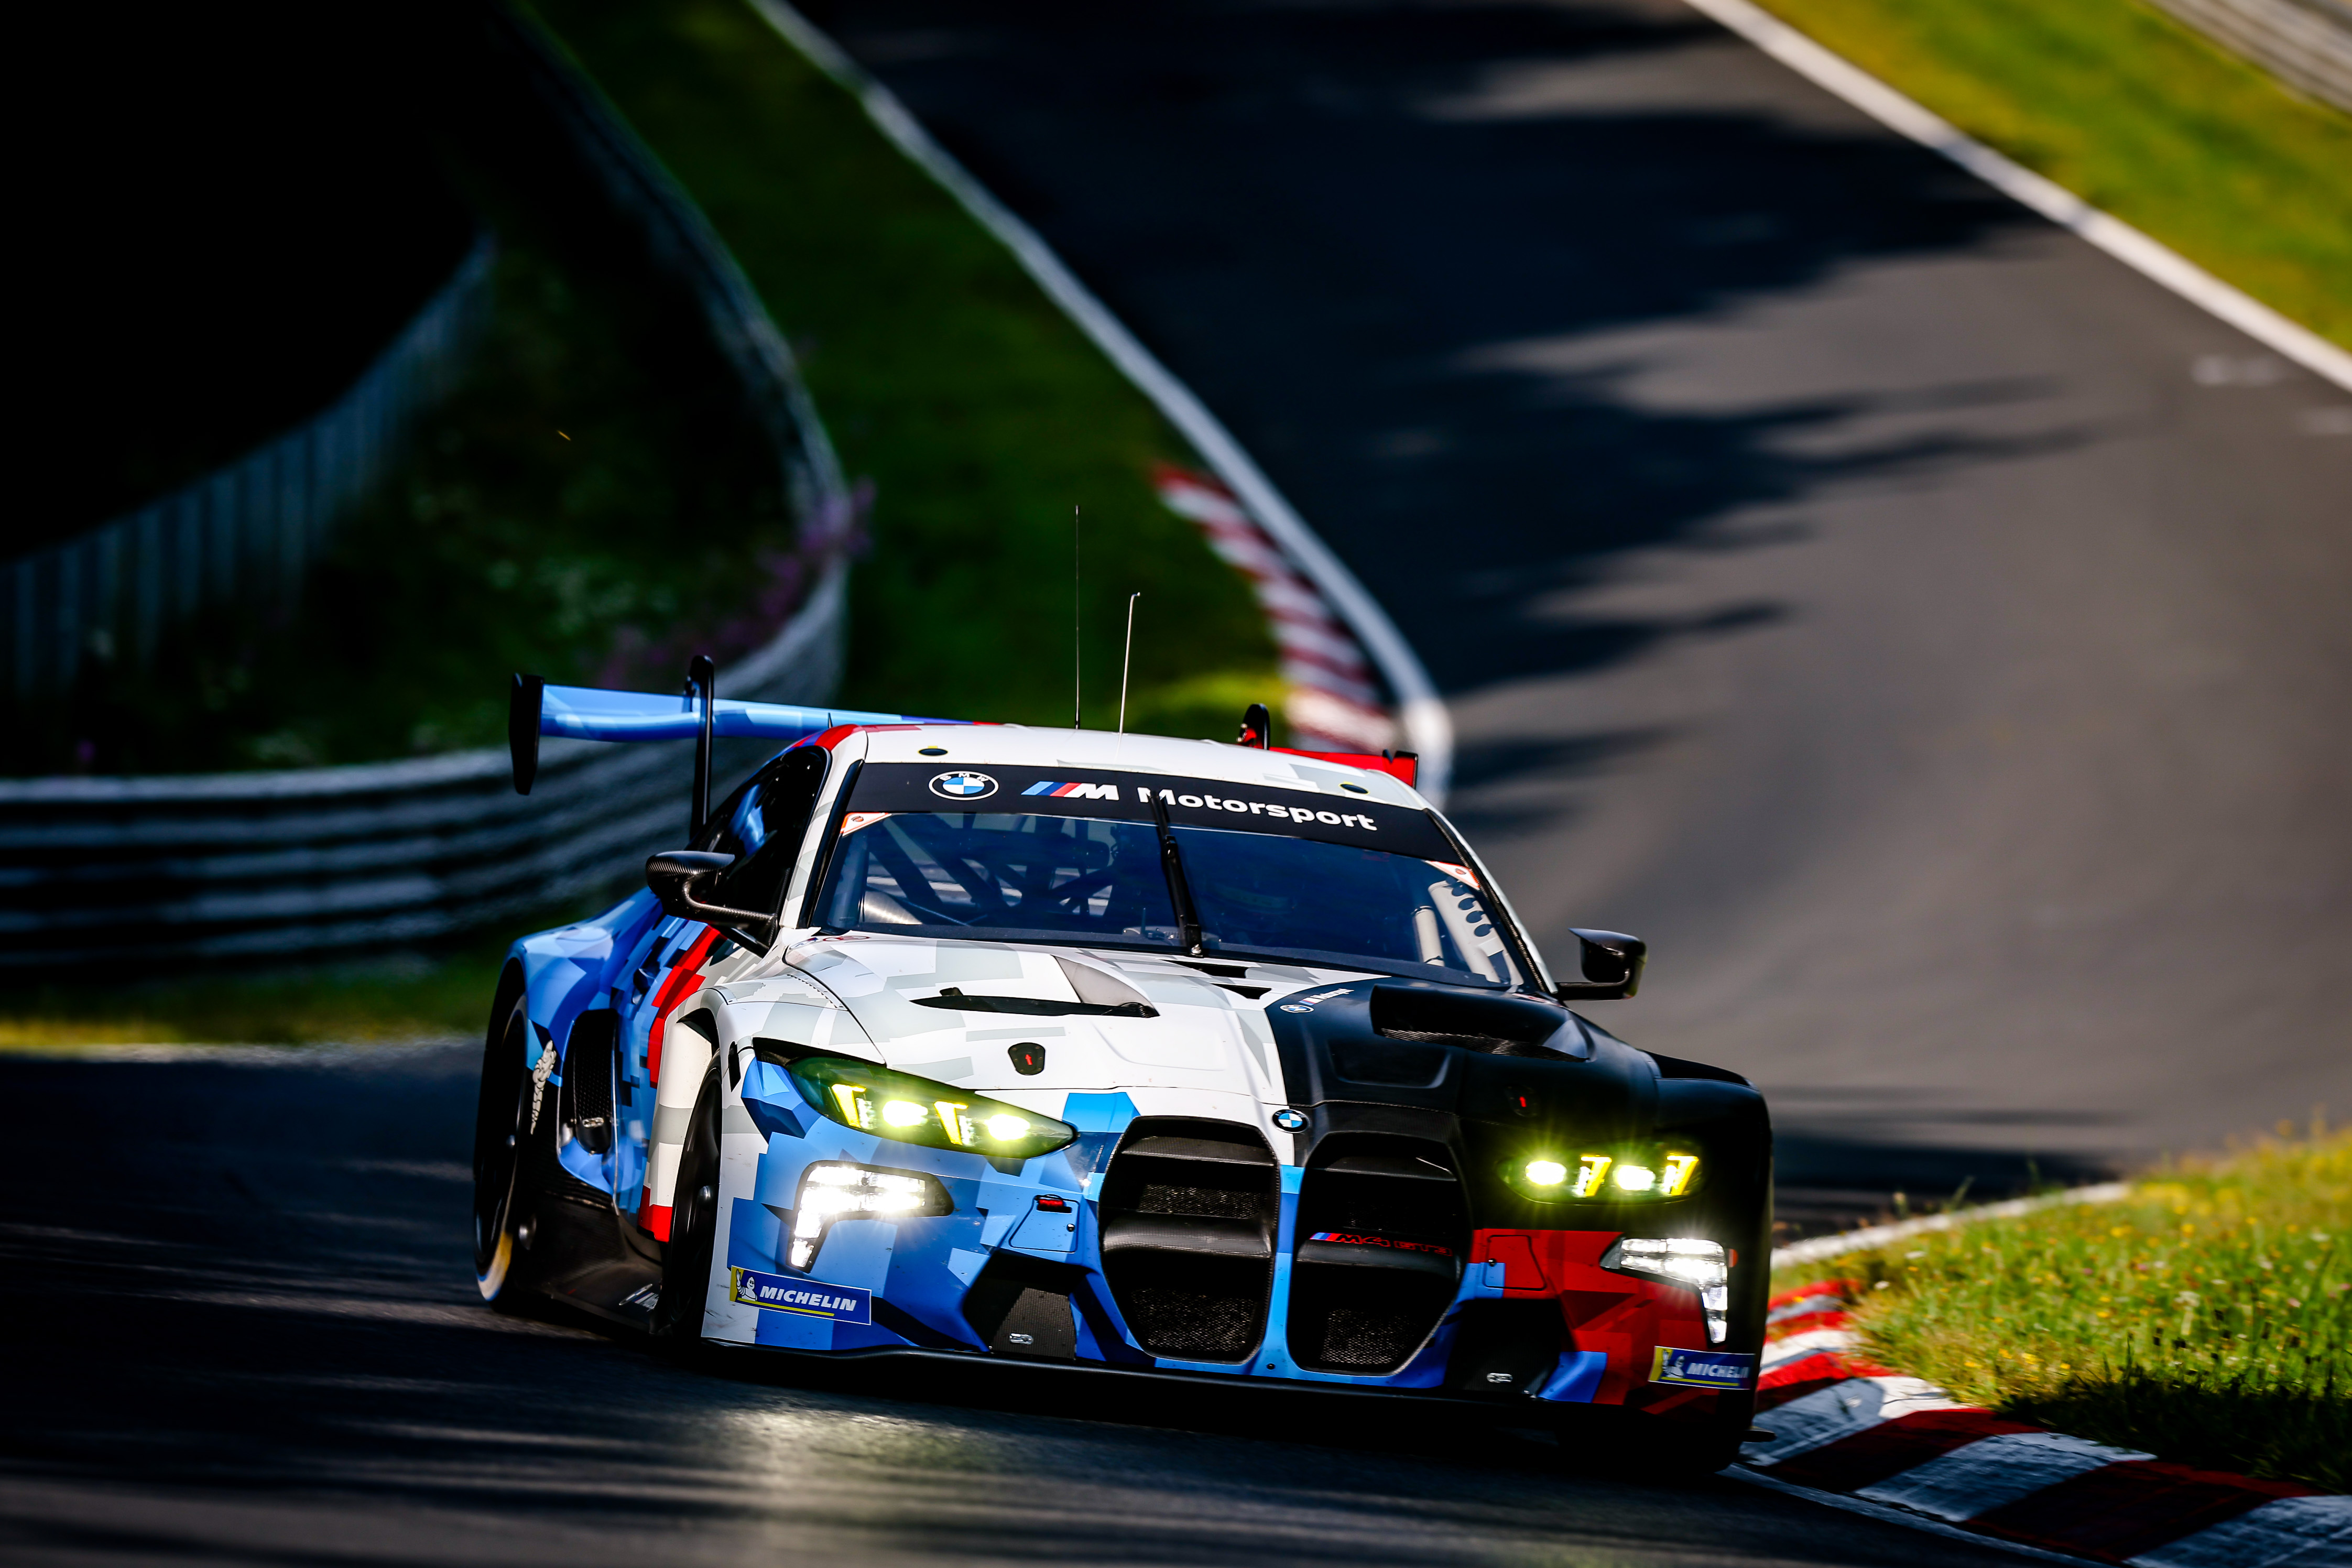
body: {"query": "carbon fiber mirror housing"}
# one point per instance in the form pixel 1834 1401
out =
pixel 678 878
pixel 1609 964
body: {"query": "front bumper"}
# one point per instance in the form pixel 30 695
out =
pixel 1020 1270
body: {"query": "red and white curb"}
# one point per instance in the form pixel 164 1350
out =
pixel 1851 1431
pixel 1332 704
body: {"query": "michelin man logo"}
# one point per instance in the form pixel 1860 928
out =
pixel 962 786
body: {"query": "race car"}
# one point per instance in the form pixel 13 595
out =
pixel 1163 1058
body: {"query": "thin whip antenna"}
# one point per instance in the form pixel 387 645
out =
pixel 1077 652
pixel 1127 659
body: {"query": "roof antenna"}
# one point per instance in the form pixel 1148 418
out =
pixel 1127 659
pixel 1077 653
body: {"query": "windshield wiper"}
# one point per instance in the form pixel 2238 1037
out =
pixel 1179 892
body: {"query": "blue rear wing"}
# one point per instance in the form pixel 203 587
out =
pixel 590 713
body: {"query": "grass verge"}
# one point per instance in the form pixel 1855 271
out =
pixel 410 997
pixel 2206 1318
pixel 981 413
pixel 2138 114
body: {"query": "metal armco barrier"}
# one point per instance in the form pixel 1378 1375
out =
pixel 247 531
pixel 322 858
pixel 2306 44
pixel 97 871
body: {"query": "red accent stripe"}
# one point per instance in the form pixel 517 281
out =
pixel 2123 1510
pixel 673 992
pixel 1891 1447
pixel 655 1217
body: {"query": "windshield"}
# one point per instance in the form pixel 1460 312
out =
pixel 1090 879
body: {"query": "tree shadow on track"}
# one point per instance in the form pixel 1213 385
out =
pixel 1400 250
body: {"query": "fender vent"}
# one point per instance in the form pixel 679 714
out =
pixel 1382 1234
pixel 588 1062
pixel 1675 1067
pixel 1188 1213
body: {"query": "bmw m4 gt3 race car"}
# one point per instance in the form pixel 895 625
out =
pixel 1161 1057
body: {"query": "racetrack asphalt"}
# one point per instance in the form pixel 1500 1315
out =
pixel 1926 632
pixel 1933 636
pixel 243 1329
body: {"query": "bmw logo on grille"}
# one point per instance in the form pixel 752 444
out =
pixel 962 786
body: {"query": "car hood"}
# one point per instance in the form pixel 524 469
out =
pixel 1106 1020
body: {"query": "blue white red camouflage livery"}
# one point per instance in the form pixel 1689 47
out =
pixel 1166 1058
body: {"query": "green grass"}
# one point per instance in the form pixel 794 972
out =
pixel 515 536
pixel 2136 114
pixel 2206 1319
pixel 981 413
pixel 407 998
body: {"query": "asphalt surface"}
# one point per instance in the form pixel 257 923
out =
pixel 242 1327
pixel 1933 636
pixel 1930 635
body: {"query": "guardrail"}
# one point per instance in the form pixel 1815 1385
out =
pixel 96 870
pixel 221 865
pixel 2306 44
pixel 246 530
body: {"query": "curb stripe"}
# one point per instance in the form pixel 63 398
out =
pixel 1984 1476
pixel 1421 711
pixel 2302 1531
pixel 1891 1448
pixel 1855 1436
pixel 2124 1509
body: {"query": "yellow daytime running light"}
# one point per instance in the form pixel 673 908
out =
pixel 873 1099
pixel 1680 1169
pixel 1636 1178
pixel 1589 1169
pixel 1547 1172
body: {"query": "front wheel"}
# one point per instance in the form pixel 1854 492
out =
pixel 694 1223
pixel 501 1120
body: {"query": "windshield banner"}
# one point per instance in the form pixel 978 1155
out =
pixel 1365 824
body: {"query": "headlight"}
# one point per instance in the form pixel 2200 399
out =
pixel 831 1191
pixel 1701 1265
pixel 1629 1175
pixel 917 1110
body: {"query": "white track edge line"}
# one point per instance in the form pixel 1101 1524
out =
pixel 1420 710
pixel 2148 256
pixel 1889 1515
pixel 1820 1249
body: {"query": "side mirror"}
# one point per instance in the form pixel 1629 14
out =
pixel 680 876
pixel 1610 964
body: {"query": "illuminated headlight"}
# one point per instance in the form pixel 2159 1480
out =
pixel 919 1110
pixel 1701 1265
pixel 1620 1175
pixel 834 1192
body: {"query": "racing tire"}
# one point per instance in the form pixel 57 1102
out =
pixel 694 1224
pixel 501 1118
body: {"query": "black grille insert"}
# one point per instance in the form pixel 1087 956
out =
pixel 1187 1219
pixel 1382 1229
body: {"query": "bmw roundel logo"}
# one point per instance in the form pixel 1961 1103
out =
pixel 1291 1120
pixel 963 785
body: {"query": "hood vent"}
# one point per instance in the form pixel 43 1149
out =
pixel 1187 1214
pixel 1499 1026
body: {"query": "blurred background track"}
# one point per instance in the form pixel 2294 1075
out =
pixel 1928 633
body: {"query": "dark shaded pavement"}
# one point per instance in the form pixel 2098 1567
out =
pixel 1931 634
pixel 244 1329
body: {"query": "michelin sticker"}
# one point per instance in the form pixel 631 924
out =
pixel 963 784
pixel 811 1298
pixel 1731 1370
